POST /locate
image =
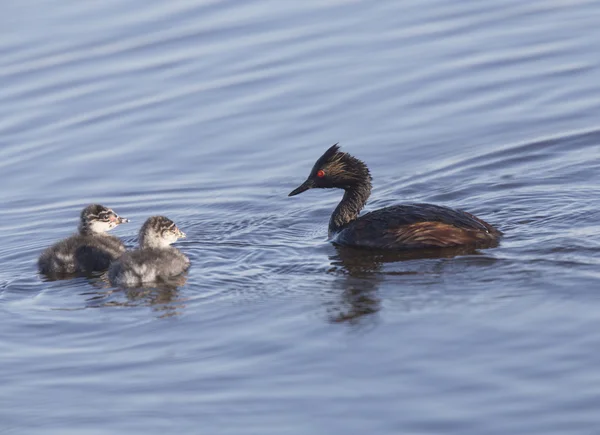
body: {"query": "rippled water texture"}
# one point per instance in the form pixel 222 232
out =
pixel 210 112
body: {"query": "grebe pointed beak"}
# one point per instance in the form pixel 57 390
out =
pixel 122 220
pixel 308 184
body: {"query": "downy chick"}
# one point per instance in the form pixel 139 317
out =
pixel 155 259
pixel 92 249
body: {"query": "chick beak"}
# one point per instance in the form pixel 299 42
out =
pixel 121 220
pixel 308 184
pixel 180 234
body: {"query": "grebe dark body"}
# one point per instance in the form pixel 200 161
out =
pixel 406 226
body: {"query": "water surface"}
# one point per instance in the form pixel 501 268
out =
pixel 210 112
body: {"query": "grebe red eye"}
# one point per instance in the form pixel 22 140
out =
pixel 321 173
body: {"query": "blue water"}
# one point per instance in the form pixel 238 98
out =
pixel 210 112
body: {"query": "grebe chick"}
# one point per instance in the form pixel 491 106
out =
pixel 89 250
pixel 404 226
pixel 155 259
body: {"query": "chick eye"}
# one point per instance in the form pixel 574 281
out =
pixel 321 173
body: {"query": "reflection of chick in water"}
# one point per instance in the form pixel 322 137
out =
pixel 163 297
pixel 363 275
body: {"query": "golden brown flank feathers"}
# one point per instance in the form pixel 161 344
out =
pixel 438 234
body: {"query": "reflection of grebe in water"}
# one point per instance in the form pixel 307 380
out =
pixel 363 275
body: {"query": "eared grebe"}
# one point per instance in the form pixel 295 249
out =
pixel 397 227
pixel 154 260
pixel 90 250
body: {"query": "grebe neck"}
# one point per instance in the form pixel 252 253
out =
pixel 355 198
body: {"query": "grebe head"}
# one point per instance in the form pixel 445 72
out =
pixel 159 232
pixel 336 169
pixel 97 219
